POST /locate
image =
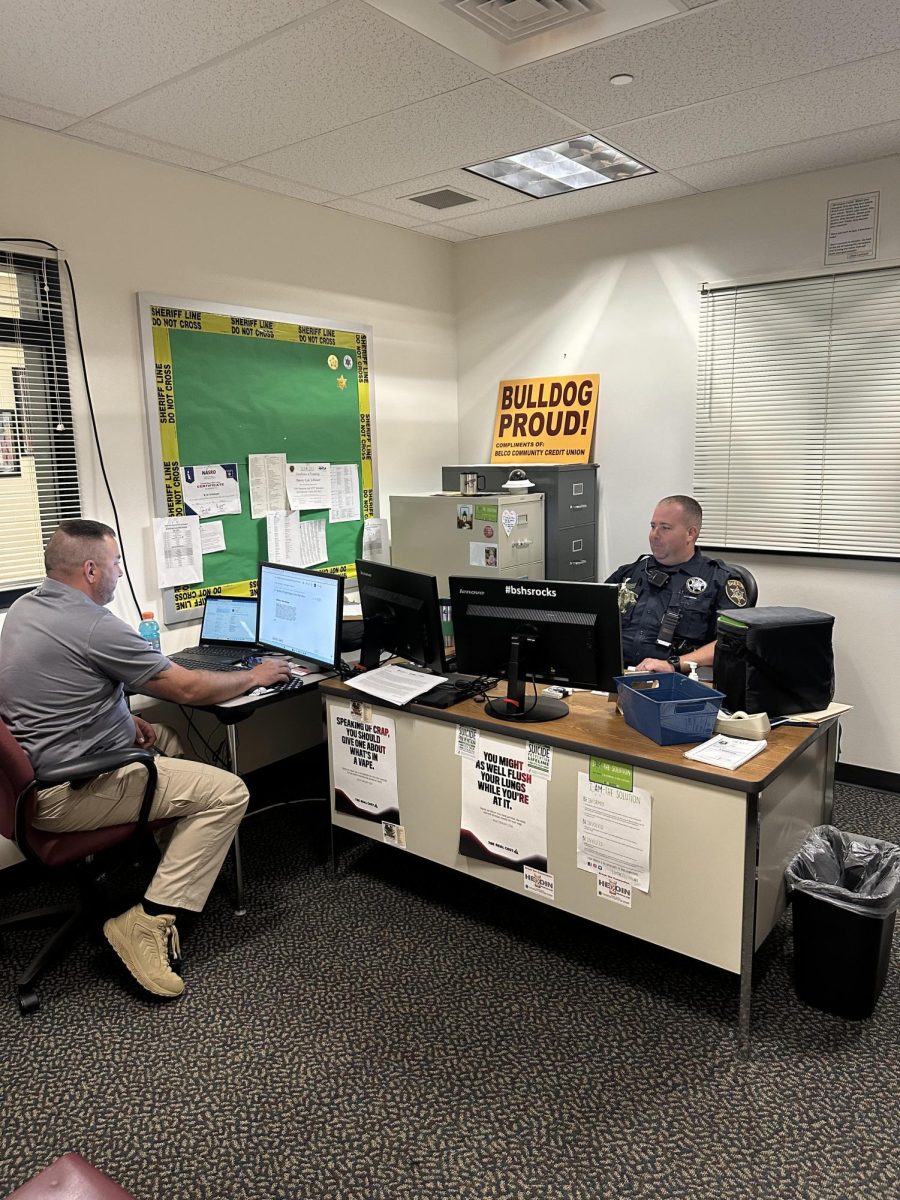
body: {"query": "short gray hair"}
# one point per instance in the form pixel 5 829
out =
pixel 689 506
pixel 73 543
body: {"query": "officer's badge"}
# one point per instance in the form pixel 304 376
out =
pixel 627 596
pixel 736 592
pixel 695 585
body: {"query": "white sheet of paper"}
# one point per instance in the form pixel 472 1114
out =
pixel 211 490
pixel 212 537
pixel 267 490
pixel 294 542
pixel 308 484
pixel 283 537
pixel 394 684
pixel 614 832
pixel 376 546
pixel 344 492
pixel 179 557
pixel 313 544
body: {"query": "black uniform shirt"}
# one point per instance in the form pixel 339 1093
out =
pixel 700 584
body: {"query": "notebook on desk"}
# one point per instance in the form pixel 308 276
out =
pixel 227 634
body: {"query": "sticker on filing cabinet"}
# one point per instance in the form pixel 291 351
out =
pixel 508 520
pixel 613 889
pixel 482 554
pixel 538 882
pixel 540 760
pixel 487 531
pixel 485 512
pixel 466 741
pixel 394 835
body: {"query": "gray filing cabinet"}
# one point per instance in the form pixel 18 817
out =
pixel 447 535
pixel 570 531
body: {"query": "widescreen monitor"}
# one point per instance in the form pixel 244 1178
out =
pixel 401 615
pixel 536 629
pixel 300 613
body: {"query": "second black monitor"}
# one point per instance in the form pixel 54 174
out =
pixel 557 632
pixel 401 615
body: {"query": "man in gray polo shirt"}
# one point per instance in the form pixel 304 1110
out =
pixel 65 661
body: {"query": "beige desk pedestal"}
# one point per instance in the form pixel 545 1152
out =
pixel 720 839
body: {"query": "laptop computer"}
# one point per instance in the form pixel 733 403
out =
pixel 227 634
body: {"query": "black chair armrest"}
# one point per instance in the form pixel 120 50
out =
pixel 83 769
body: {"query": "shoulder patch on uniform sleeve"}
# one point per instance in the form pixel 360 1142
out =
pixel 736 592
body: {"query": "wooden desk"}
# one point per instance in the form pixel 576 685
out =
pixel 720 839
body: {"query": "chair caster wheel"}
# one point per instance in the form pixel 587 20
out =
pixel 28 1001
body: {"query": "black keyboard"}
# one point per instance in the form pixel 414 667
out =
pixel 290 685
pixel 456 689
pixel 203 664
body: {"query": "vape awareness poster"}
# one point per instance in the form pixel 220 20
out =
pixel 504 807
pixel 364 763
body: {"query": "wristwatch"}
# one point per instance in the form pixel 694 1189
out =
pixel 675 660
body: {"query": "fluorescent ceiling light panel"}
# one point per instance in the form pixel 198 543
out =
pixel 582 162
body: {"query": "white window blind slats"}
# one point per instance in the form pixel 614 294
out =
pixel 798 416
pixel 38 472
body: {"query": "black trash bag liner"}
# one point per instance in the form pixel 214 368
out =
pixel 860 874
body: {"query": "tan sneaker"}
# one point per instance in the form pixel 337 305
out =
pixel 144 943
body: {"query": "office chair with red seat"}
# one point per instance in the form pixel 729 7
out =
pixel 80 848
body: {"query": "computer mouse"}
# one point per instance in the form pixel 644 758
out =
pixel 250 661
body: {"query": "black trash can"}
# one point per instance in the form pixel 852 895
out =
pixel 845 891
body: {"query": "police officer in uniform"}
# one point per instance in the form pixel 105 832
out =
pixel 669 599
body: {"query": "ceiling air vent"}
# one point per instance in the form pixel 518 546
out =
pixel 510 20
pixel 445 198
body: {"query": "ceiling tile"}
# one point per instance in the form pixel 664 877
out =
pixel 359 209
pixel 712 52
pixel 88 54
pixel 334 69
pixel 34 114
pixel 832 101
pixel 272 183
pixel 120 139
pixel 487 195
pixel 469 125
pixel 445 232
pixel 839 149
pixel 609 197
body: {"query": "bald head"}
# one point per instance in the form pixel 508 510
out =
pixel 85 555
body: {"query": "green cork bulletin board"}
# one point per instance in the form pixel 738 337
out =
pixel 224 383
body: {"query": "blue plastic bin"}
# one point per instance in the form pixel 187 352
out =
pixel 669 708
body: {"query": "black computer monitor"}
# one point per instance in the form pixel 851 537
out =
pixel 300 613
pixel 536 629
pixel 401 615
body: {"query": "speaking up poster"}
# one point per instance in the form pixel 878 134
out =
pixel 364 761
pixel 504 807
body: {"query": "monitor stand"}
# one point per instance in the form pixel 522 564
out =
pixel 514 706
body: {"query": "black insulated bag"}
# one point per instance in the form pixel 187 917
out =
pixel 774 660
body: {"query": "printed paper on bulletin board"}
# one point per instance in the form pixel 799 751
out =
pixel 545 420
pixel 232 382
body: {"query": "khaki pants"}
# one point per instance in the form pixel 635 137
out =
pixel 209 802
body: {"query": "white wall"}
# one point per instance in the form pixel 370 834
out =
pixel 618 294
pixel 127 225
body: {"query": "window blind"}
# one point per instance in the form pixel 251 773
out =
pixel 797 445
pixel 38 475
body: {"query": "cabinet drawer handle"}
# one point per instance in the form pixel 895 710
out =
pixel 578 562
pixel 522 545
pixel 576 507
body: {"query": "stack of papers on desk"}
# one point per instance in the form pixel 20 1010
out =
pixel 396 685
pixel 727 752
